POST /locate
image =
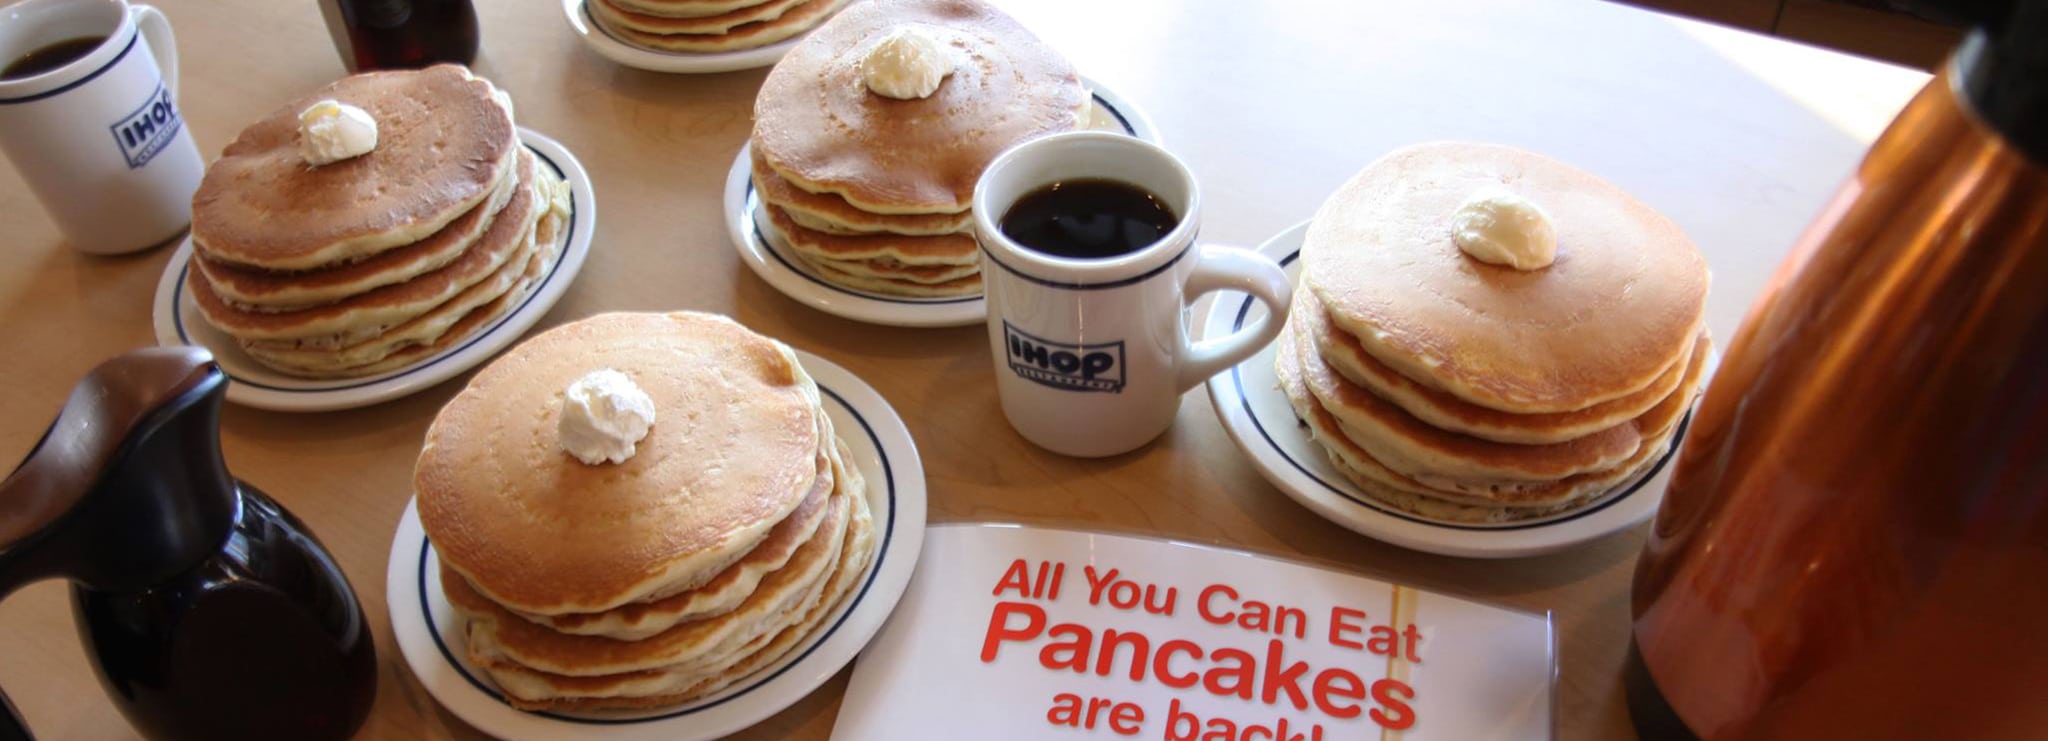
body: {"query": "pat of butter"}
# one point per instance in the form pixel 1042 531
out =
pixel 331 131
pixel 906 64
pixel 604 417
pixel 1501 228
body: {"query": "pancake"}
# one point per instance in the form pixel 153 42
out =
pixel 942 249
pixel 477 308
pixel 817 125
pixel 1408 495
pixel 477 320
pixel 444 140
pixel 794 21
pixel 734 450
pixel 895 271
pixel 684 8
pixel 721 595
pixel 533 690
pixel 1410 446
pixel 430 324
pixel 966 286
pixel 498 636
pixel 366 315
pixel 621 17
pixel 833 215
pixel 1615 310
pixel 264 290
pixel 1445 411
pixel 1658 425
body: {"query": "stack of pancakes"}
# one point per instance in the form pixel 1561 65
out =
pixel 705 26
pixel 371 263
pixel 873 192
pixel 722 543
pixel 1462 390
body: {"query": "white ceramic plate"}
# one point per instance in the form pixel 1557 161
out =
pixel 762 248
pixel 178 321
pixel 1259 419
pixel 431 639
pixel 674 62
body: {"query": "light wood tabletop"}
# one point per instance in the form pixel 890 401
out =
pixel 1739 138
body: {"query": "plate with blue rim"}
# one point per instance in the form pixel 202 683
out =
pixel 1259 419
pixel 764 250
pixel 430 635
pixel 178 321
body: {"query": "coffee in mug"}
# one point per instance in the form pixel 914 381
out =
pixel 1088 219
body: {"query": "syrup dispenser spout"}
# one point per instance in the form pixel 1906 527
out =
pixel 127 487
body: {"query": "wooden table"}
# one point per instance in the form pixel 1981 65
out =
pixel 1737 137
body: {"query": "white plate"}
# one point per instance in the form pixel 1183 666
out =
pixel 431 639
pixel 676 62
pixel 1259 419
pixel 178 321
pixel 762 248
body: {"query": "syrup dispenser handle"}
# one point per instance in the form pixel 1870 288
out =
pixel 11 727
pixel 127 486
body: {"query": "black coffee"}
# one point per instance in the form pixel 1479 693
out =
pixel 51 57
pixel 1088 219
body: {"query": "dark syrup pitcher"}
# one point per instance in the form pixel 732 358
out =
pixel 209 611
pixel 402 34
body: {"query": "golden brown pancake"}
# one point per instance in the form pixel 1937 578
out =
pixel 474 310
pixel 940 249
pixel 969 285
pixel 1448 412
pixel 833 215
pixel 734 449
pixel 1659 424
pixel 724 592
pixel 619 16
pixel 1406 444
pixel 533 690
pixel 501 636
pixel 892 270
pixel 266 290
pixel 1408 495
pixel 817 125
pixel 443 142
pixel 1616 309
pixel 794 21
pixel 685 8
pixel 368 314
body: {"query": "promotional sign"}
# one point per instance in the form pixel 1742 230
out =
pixel 1024 633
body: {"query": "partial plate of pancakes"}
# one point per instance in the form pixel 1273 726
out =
pixel 430 635
pixel 178 321
pixel 762 248
pixel 1259 418
pixel 606 45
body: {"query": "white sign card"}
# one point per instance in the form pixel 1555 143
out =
pixel 1012 632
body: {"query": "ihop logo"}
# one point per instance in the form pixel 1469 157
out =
pixel 1065 365
pixel 149 129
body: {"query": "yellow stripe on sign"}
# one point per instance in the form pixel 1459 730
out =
pixel 1400 613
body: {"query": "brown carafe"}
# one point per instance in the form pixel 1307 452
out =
pixel 209 611
pixel 1855 541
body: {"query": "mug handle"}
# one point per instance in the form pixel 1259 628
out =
pixel 1219 268
pixel 157 30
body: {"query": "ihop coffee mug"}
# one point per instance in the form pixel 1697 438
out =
pixel 99 139
pixel 1092 355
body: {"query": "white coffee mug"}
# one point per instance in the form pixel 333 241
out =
pixel 1092 355
pixel 99 139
